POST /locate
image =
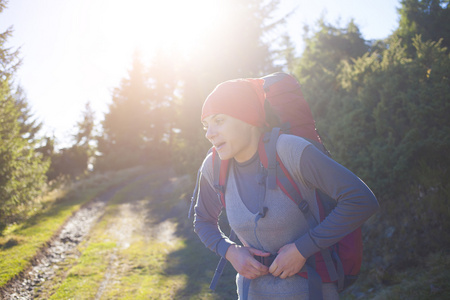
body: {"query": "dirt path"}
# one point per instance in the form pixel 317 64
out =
pixel 122 231
pixel 134 223
pixel 50 262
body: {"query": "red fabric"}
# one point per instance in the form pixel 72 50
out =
pixel 286 99
pixel 242 99
pixel 350 253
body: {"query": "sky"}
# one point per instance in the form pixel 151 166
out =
pixel 78 51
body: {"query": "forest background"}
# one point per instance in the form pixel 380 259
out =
pixel 381 106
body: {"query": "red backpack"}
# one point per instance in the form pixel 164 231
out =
pixel 339 263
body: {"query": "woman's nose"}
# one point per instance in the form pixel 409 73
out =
pixel 210 132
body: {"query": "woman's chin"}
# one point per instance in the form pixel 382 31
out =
pixel 224 156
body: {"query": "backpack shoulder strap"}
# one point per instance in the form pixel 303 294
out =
pixel 270 157
pixel 220 173
pixel 287 184
pixel 277 174
pixel 195 193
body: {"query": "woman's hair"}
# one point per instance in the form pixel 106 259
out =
pixel 272 118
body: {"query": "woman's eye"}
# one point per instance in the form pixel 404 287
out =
pixel 219 121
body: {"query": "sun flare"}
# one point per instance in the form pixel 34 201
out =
pixel 151 25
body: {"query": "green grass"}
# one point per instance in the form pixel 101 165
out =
pixel 85 277
pixel 147 268
pixel 143 273
pixel 21 242
pixel 429 280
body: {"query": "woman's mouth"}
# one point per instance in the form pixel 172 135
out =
pixel 219 146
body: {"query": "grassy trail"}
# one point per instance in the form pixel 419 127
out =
pixel 143 248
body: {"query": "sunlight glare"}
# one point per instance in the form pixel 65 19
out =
pixel 151 25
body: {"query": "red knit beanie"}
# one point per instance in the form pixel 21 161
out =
pixel 242 99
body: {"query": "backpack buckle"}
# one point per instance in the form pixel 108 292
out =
pixel 220 188
pixel 220 191
pixel 303 206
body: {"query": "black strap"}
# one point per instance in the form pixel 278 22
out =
pixel 220 189
pixel 271 152
pixel 221 265
pixel 340 271
pixel 245 287
pixel 216 170
pixel 326 255
pixel 195 193
pixel 266 260
pixel 314 280
pixel 288 186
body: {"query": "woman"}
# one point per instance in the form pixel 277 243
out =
pixel 234 119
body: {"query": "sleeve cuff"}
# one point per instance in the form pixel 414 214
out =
pixel 222 247
pixel 306 246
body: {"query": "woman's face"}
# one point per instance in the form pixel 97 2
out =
pixel 231 137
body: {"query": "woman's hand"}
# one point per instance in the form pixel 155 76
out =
pixel 244 263
pixel 288 262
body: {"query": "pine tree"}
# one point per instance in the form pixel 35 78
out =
pixel 85 139
pixel 138 127
pixel 428 18
pixel 74 160
pixel 85 127
pixel 22 170
pixel 124 125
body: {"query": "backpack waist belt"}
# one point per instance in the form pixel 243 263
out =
pixel 265 260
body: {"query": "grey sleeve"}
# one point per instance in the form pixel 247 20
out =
pixel 207 212
pixel 355 201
